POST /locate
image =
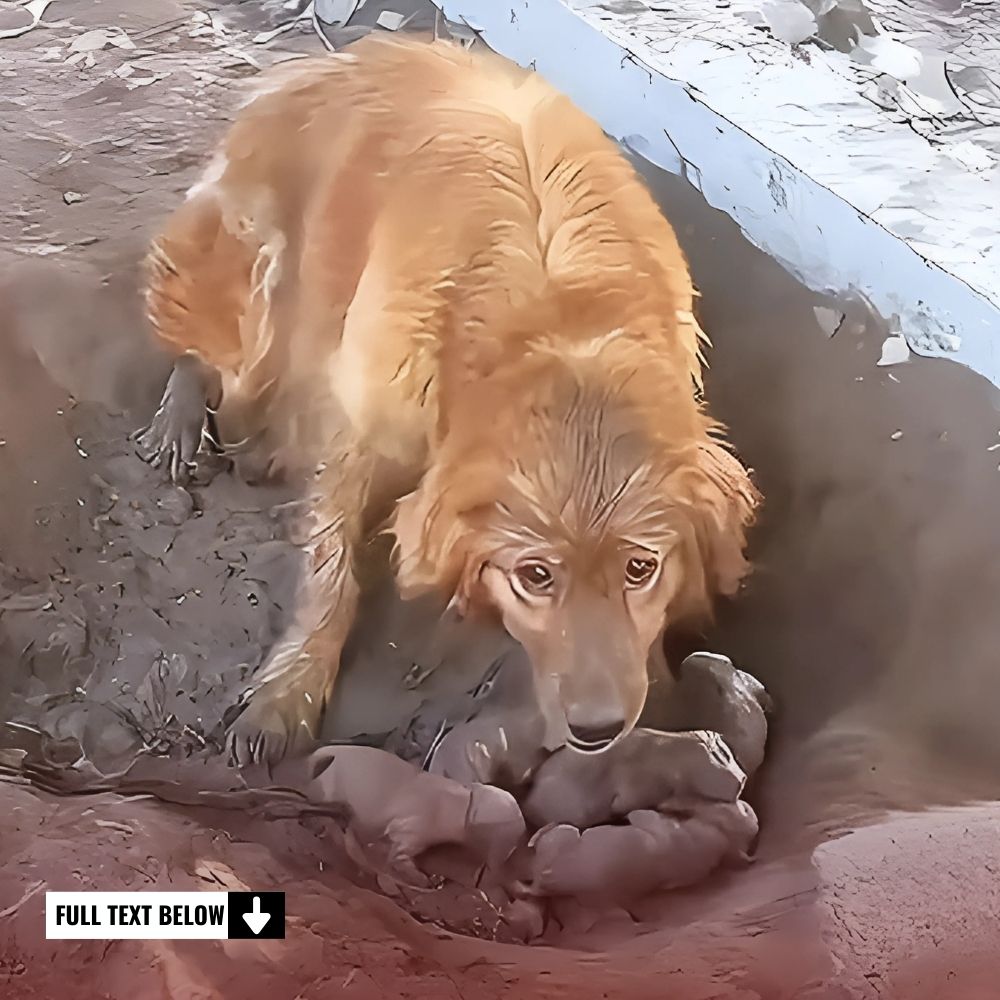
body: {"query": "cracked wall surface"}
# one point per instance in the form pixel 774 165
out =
pixel 856 142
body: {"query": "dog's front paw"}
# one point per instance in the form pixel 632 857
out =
pixel 281 719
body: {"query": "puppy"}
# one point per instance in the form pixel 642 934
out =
pixel 617 865
pixel 711 693
pixel 644 770
pixel 390 799
pixel 424 281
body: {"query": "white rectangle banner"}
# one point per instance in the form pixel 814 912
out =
pixel 114 916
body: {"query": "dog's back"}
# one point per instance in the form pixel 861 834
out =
pixel 378 221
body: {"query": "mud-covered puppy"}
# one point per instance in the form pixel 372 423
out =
pixel 711 693
pixel 615 865
pixel 647 769
pixel 390 799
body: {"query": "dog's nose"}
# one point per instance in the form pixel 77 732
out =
pixel 594 738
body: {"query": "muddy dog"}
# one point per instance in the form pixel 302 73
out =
pixel 423 280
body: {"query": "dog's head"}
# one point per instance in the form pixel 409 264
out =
pixel 587 529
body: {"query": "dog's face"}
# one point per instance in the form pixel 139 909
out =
pixel 587 616
pixel 587 527
pixel 585 582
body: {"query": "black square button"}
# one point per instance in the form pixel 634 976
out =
pixel 256 915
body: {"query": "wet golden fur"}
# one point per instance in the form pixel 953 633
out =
pixel 428 271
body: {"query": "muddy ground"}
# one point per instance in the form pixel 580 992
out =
pixel 130 612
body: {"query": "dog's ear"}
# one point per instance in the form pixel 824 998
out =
pixel 414 525
pixel 730 502
pixel 432 539
pixel 720 502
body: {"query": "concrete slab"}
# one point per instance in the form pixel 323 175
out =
pixel 871 171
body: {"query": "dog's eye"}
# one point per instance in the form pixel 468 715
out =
pixel 534 578
pixel 639 571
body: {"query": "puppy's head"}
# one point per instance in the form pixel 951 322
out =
pixel 586 532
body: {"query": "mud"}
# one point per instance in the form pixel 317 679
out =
pixel 131 612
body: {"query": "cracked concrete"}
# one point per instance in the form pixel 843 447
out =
pixel 886 145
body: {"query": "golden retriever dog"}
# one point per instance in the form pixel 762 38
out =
pixel 423 280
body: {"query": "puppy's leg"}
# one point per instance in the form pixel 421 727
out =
pixel 285 703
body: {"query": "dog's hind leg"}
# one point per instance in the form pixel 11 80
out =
pixel 285 701
pixel 174 436
pixel 198 288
